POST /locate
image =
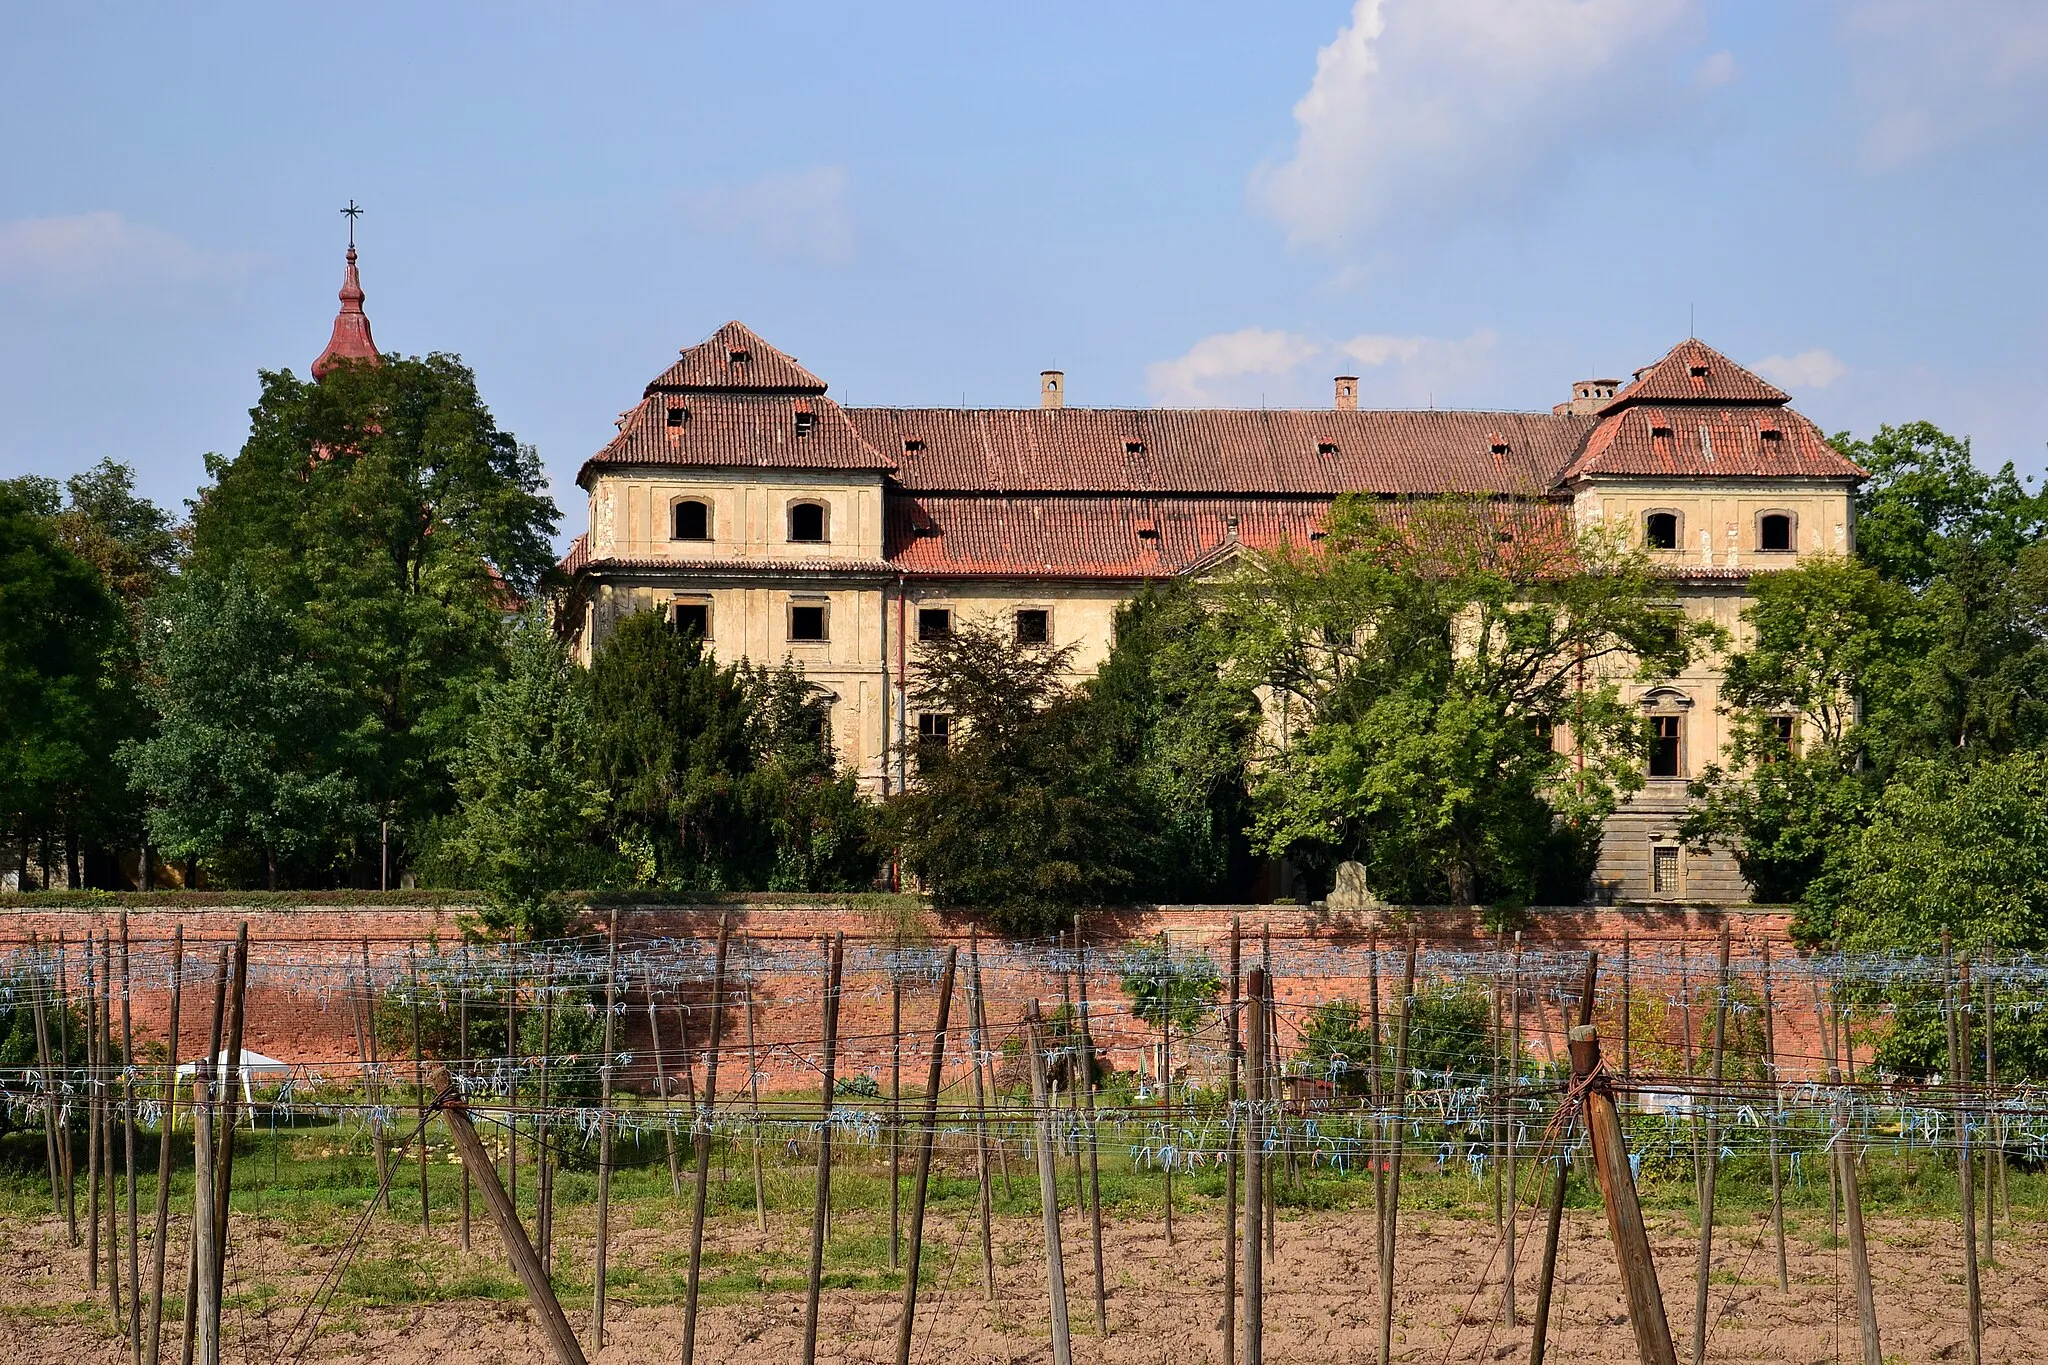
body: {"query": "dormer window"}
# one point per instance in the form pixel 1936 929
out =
pixel 913 445
pixel 1148 530
pixel 1660 433
pixel 1772 434
pixel 1698 372
pixel 678 416
pixel 807 522
pixel 1134 447
pixel 1326 447
pixel 692 520
pixel 806 422
pixel 1498 446
pixel 739 357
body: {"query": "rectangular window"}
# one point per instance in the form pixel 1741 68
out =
pixel 1034 626
pixel 691 618
pixel 934 623
pixel 1664 870
pixel 1664 750
pixel 934 733
pixel 806 620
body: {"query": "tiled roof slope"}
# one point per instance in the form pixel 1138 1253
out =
pixel 1221 451
pixel 1694 372
pixel 734 359
pixel 1721 442
pixel 738 430
pixel 970 535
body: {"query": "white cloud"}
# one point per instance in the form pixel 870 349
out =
pixel 1412 371
pixel 87 251
pixel 1929 75
pixel 1205 372
pixel 1717 70
pixel 1815 369
pixel 1431 104
pixel 800 214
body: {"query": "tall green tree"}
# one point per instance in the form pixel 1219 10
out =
pixel 393 525
pixel 1423 661
pixel 251 767
pixel 530 818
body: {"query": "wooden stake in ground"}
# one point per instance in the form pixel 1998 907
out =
pixel 1966 1188
pixel 93 1105
pixel 604 1137
pixel 927 1131
pixel 518 1250
pixel 703 1138
pixel 1546 1276
pixel 1777 1164
pixel 1514 1195
pixel 895 1102
pixel 128 1130
pixel 108 1062
pixel 668 1126
pixel 1711 1159
pixel 1400 1106
pixel 1269 1091
pixel 543 1128
pixel 47 1084
pixel 1994 1138
pixel 462 1060
pixel 231 1074
pixel 1618 1193
pixel 985 1055
pixel 64 1153
pixel 511 1075
pixel 1077 1074
pixel 1376 1144
pixel 1843 1168
pixel 975 1044
pixel 203 1334
pixel 1253 1352
pixel 822 1199
pixel 754 1096
pixel 194 1257
pixel 1087 1084
pixel 1048 1192
pixel 419 1085
pixel 167 1130
pixel 1230 1156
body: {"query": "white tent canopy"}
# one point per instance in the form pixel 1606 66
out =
pixel 256 1069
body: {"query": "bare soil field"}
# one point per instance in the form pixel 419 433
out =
pixel 411 1298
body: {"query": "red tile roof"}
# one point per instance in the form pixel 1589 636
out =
pixel 950 535
pixel 1213 451
pixel 1694 372
pixel 743 430
pixel 351 339
pixel 1710 442
pixel 735 360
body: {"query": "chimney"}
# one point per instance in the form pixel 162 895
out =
pixel 1052 388
pixel 1347 393
pixel 1588 397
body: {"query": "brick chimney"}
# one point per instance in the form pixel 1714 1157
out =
pixel 1588 397
pixel 1052 388
pixel 1347 393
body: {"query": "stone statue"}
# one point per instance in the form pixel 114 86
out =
pixel 1351 894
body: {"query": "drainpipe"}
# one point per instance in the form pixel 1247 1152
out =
pixel 902 681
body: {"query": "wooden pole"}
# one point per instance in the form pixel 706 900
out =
pixel 543 1127
pixel 1711 1159
pixel 1514 1194
pixel 167 1129
pixel 1269 1083
pixel 822 1199
pixel 203 1332
pixel 1966 1171
pixel 1994 1140
pixel 1376 1144
pixel 1777 1162
pixel 1618 1193
pixel 895 1104
pixel 927 1131
pixel 986 1056
pixel 93 1066
pixel 46 1083
pixel 977 1042
pixel 599 1264
pixel 1231 1157
pixel 194 1253
pixel 1253 1350
pixel 525 1262
pixel 462 1060
pixel 128 1129
pixel 108 1158
pixel 1843 1169
pixel 1546 1277
pixel 512 1075
pixel 419 1085
pixel 224 1151
pixel 1048 1193
pixel 64 1152
pixel 1086 1083
pixel 668 1129
pixel 1169 982
pixel 702 1175
pixel 754 1096
pixel 372 1082
pixel 1400 1106
pixel 1077 1074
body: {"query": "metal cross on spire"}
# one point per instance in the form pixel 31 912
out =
pixel 352 212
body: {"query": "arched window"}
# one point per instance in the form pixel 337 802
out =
pixel 807 522
pixel 1660 530
pixel 1774 532
pixel 692 520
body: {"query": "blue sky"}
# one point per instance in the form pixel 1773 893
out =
pixel 1467 202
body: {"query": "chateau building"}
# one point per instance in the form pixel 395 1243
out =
pixel 743 502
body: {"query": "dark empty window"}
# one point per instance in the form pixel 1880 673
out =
pixel 1326 447
pixel 693 521
pixel 805 421
pixel 807 521
pixel 1661 530
pixel 691 618
pixel 934 623
pixel 1774 532
pixel 678 416
pixel 1034 626
pixel 934 733
pixel 807 621
pixel 1664 755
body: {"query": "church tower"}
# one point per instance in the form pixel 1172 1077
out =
pixel 351 339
